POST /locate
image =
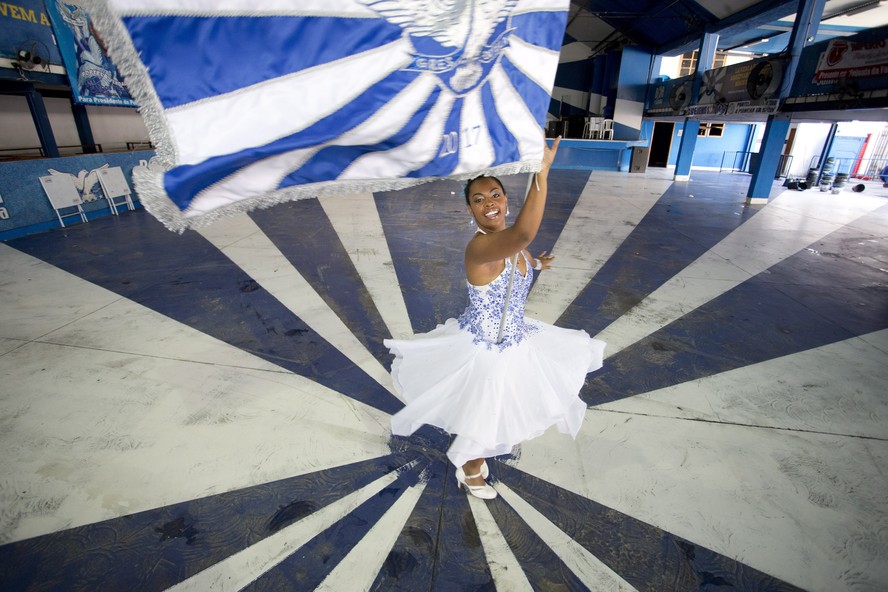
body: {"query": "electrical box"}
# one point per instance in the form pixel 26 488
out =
pixel 639 161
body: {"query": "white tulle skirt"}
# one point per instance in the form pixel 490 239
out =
pixel 492 399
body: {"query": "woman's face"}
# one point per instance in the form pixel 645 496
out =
pixel 488 204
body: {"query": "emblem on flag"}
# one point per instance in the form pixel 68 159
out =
pixel 252 104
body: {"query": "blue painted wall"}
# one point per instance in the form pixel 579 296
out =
pixel 708 152
pixel 27 209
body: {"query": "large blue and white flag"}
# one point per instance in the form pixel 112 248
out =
pixel 256 102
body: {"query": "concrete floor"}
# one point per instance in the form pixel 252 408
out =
pixel 210 411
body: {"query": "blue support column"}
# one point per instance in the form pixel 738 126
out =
pixel 827 148
pixel 686 150
pixel 705 57
pixel 41 122
pixel 84 130
pixel 804 30
pixel 768 158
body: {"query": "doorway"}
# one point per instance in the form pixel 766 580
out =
pixel 661 143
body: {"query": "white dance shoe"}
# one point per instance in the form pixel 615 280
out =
pixel 480 491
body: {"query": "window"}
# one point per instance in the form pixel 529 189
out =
pixel 689 62
pixel 711 130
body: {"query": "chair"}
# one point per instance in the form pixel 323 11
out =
pixel 114 185
pixel 63 194
pixel 606 131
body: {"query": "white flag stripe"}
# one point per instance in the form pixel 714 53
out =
pixel 265 111
pixel 537 63
pixel 255 180
pixel 260 258
pixel 515 114
pixel 475 146
pixel 588 568
pixel 357 223
pixel 335 8
pixel 505 569
pixel 540 5
pixel 358 570
pixel 266 175
pixel 418 151
pixel 244 567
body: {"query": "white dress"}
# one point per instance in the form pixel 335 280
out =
pixel 493 396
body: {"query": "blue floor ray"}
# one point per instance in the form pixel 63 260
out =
pixel 189 280
pixel 648 558
pixel 158 548
pixel 829 292
pixel 307 568
pixel 676 231
pixel 541 565
pixel 302 232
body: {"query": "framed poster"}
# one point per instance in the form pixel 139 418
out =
pixel 93 76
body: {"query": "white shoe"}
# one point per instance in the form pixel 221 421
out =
pixel 485 470
pixel 480 491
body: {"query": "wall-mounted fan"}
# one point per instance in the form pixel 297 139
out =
pixel 680 96
pixel 32 56
pixel 764 79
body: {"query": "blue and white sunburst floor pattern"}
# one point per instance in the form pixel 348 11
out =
pixel 210 411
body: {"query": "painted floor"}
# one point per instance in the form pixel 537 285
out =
pixel 211 411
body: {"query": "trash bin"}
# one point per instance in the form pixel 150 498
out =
pixel 639 160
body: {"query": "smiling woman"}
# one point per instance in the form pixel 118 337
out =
pixel 493 377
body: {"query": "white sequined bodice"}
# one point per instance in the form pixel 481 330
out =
pixel 483 314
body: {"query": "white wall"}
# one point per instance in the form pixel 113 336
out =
pixel 16 129
pixel 807 145
pixel 112 127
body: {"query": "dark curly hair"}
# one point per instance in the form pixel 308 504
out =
pixel 469 184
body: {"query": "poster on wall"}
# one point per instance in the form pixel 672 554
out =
pixel 844 60
pixel 27 36
pixel 94 77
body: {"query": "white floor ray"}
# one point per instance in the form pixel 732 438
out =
pixel 242 568
pixel 169 414
pixel 504 567
pixel 798 506
pixel 599 223
pixel 149 432
pixel 358 570
pixel 66 310
pixel 792 221
pixel 588 568
pixel 357 223
pixel 32 302
pixel 242 241
pixel 804 391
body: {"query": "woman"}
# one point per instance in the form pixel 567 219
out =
pixel 495 387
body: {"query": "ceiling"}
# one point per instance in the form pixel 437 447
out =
pixel 673 27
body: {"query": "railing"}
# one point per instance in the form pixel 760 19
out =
pixel 20 153
pixel 29 152
pixel 745 162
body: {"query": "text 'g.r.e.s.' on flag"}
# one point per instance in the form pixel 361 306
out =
pixel 255 102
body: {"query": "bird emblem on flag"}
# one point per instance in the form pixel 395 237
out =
pixel 459 40
pixel 256 103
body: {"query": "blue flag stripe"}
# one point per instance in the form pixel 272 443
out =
pixel 536 98
pixel 194 58
pixel 504 143
pixel 186 181
pixel 545 29
pixel 329 163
